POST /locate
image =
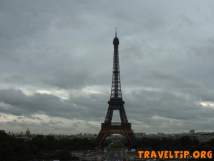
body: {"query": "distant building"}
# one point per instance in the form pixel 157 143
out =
pixel 27 133
pixel 192 131
pixel 2 132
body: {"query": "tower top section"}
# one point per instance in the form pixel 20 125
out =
pixel 116 85
pixel 116 40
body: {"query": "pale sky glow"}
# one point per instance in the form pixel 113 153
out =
pixel 56 64
pixel 58 123
pixel 63 94
pixel 207 104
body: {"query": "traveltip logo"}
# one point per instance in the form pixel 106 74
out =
pixel 177 154
pixel 172 153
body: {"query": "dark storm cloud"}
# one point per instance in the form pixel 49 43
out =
pixel 55 49
pixel 16 102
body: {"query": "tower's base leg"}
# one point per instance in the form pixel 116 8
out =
pixel 109 129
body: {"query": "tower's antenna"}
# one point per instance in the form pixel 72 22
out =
pixel 115 31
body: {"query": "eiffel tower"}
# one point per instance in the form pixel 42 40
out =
pixel 115 103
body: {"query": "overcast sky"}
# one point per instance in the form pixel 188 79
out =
pixel 56 64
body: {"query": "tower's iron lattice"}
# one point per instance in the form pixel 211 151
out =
pixel 116 103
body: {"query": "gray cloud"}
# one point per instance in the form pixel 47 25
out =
pixel 55 49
